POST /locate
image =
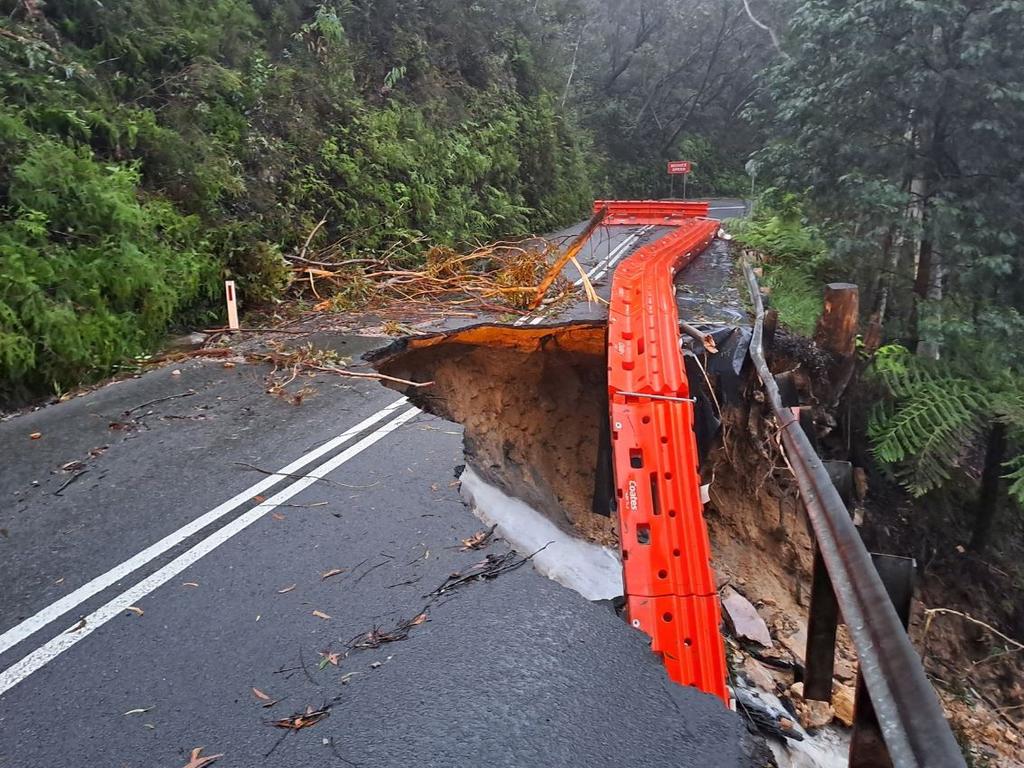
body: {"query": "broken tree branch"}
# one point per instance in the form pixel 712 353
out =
pixel 570 253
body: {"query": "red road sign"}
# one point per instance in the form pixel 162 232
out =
pixel 678 167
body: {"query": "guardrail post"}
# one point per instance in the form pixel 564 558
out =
pixel 822 623
pixel 867 747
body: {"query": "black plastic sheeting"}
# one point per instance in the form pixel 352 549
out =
pixel 723 370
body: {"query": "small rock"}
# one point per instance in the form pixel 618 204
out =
pixel 845 671
pixel 175 373
pixel 758 674
pixel 813 714
pixel 843 703
pixel 745 620
pixel 796 644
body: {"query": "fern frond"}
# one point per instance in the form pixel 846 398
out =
pixel 1015 474
pixel 928 431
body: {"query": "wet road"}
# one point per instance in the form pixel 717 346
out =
pixel 153 574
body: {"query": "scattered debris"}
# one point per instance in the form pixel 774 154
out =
pixel 480 539
pixel 197 760
pixel 500 277
pixel 762 716
pixel 377 636
pixel 139 711
pixel 287 589
pixel 79 626
pixel 35 436
pixel 135 609
pixel 333 572
pixel 190 584
pixel 490 567
pixel 321 615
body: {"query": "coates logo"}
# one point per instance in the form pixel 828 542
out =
pixel 632 495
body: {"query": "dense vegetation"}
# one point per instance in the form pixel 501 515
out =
pixel 900 125
pixel 151 148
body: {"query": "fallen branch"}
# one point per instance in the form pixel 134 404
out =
pixel 377 376
pixel 704 338
pixel 565 258
pixel 931 613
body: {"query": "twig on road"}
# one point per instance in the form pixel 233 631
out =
pixel 69 481
pixel 159 400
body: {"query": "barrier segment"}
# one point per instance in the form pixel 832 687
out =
pixel 666 554
pixel 668 213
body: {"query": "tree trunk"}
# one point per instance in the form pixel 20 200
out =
pixel 991 480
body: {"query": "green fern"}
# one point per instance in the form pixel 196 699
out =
pixel 933 418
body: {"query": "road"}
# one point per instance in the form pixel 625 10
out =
pixel 144 600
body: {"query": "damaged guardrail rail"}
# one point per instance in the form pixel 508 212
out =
pixel 907 709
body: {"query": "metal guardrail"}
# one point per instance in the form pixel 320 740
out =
pixel 907 708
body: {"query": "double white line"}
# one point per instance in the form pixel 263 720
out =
pixel 598 271
pixel 50 650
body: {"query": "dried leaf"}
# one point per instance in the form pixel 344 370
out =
pixel 228 364
pixel 277 516
pixel 302 720
pixel 140 711
pixel 189 584
pixel 198 761
pixel 333 572
pixel 135 609
pixel 260 694
pixel 286 589
pixel 259 499
pixel 321 615
pixel 418 620
pixel 35 435
pixel 73 466
pixel 98 451
pixel 329 657
pixel 78 626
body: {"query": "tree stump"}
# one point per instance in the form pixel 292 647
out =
pixel 837 326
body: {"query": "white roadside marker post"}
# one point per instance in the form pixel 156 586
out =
pixel 229 288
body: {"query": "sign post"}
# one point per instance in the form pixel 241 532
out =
pixel 678 168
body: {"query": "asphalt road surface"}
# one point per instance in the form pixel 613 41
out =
pixel 154 572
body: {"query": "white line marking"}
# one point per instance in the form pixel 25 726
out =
pixel 18 671
pixel 54 611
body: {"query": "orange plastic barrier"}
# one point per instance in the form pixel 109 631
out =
pixel 669 213
pixel 666 554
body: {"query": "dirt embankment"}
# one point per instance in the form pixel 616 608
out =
pixel 531 402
